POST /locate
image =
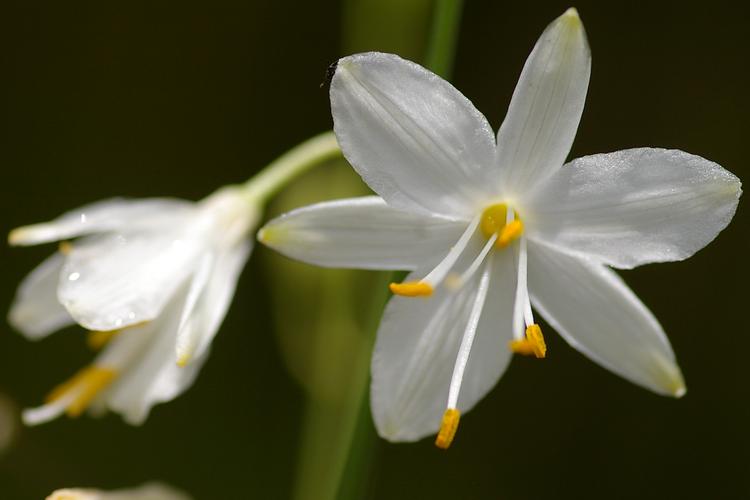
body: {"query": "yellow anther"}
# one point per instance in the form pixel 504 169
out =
pixel 87 383
pixel 65 247
pixel 183 360
pixel 532 345
pixel 448 428
pixel 493 222
pixel 412 289
pixel 96 339
pixel 509 233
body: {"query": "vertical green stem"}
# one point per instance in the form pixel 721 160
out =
pixel 444 34
pixel 440 54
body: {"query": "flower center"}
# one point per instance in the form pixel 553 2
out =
pixel 494 221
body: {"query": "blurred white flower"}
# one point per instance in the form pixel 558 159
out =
pixel 152 279
pixel 149 491
pixel 470 215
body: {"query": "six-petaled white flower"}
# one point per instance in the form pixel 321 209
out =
pixel 151 279
pixel 491 226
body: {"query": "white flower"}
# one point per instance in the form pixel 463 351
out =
pixel 149 491
pixel 152 279
pixel 490 227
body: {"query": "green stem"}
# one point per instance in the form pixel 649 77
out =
pixel 443 37
pixel 269 181
pixel 353 481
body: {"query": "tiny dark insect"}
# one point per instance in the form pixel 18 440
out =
pixel 329 74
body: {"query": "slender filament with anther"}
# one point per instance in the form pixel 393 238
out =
pixel 528 341
pixel 425 286
pixel 450 419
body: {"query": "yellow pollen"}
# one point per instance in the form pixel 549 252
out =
pixel 183 360
pixel 98 339
pixel 448 428
pixel 412 289
pixel 532 345
pixel 65 247
pixel 87 383
pixel 493 222
pixel 509 233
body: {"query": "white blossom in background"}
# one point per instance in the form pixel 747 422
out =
pixel 491 226
pixel 151 279
pixel 149 491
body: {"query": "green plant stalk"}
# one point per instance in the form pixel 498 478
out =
pixel 287 167
pixel 440 54
pixel 441 50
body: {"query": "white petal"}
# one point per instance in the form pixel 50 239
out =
pixel 538 131
pixel 153 376
pixel 635 206
pixel 101 216
pixel 416 349
pixel 36 311
pixel 201 325
pixel 112 282
pixel 415 139
pixel 361 233
pixel 596 313
pixel 149 491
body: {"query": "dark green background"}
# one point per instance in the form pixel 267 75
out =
pixel 155 98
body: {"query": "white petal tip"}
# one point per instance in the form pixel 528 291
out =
pixel 680 391
pixel 40 415
pixel 20 235
pixel 272 234
pixel 263 235
pixel 571 13
pixel 571 20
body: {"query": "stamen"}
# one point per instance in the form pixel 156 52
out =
pixel 448 428
pixel 98 339
pixel 426 285
pixel 510 232
pixel 500 220
pixel 65 247
pixel 412 289
pixel 451 417
pixel 457 282
pixel 533 344
pixel 82 388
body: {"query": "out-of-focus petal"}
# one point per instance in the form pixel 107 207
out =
pixel 36 311
pixel 112 282
pixel 198 328
pixel 153 376
pixel 106 215
pixel 148 491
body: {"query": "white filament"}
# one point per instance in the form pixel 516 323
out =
pixel 469 272
pixel 436 276
pixel 468 338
